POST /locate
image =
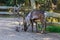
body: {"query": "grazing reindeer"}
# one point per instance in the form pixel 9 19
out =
pixel 35 15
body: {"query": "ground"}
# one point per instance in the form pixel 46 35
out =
pixel 7 32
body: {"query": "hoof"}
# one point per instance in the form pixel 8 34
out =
pixel 25 29
pixel 17 29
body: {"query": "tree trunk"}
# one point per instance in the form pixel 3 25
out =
pixel 33 4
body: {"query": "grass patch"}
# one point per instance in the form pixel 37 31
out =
pixel 51 28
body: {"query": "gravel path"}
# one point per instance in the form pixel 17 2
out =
pixel 7 32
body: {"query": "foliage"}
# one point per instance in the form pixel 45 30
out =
pixel 45 4
pixel 11 2
pixel 3 1
pixel 20 1
pixel 53 28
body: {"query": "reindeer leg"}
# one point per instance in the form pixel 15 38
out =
pixel 32 25
pixel 25 27
pixel 43 27
pixel 17 29
pixel 36 27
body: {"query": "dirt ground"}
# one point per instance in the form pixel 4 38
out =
pixel 7 32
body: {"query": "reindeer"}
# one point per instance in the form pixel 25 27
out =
pixel 32 17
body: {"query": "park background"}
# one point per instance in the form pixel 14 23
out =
pixel 51 6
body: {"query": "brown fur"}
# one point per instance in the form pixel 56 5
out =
pixel 40 16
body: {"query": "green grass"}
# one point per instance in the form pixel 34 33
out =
pixel 52 28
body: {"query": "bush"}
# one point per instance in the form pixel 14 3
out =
pixel 53 28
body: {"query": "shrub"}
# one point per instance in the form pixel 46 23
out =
pixel 53 28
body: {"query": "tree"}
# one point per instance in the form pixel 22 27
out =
pixel 11 2
pixel 54 2
pixel 3 2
